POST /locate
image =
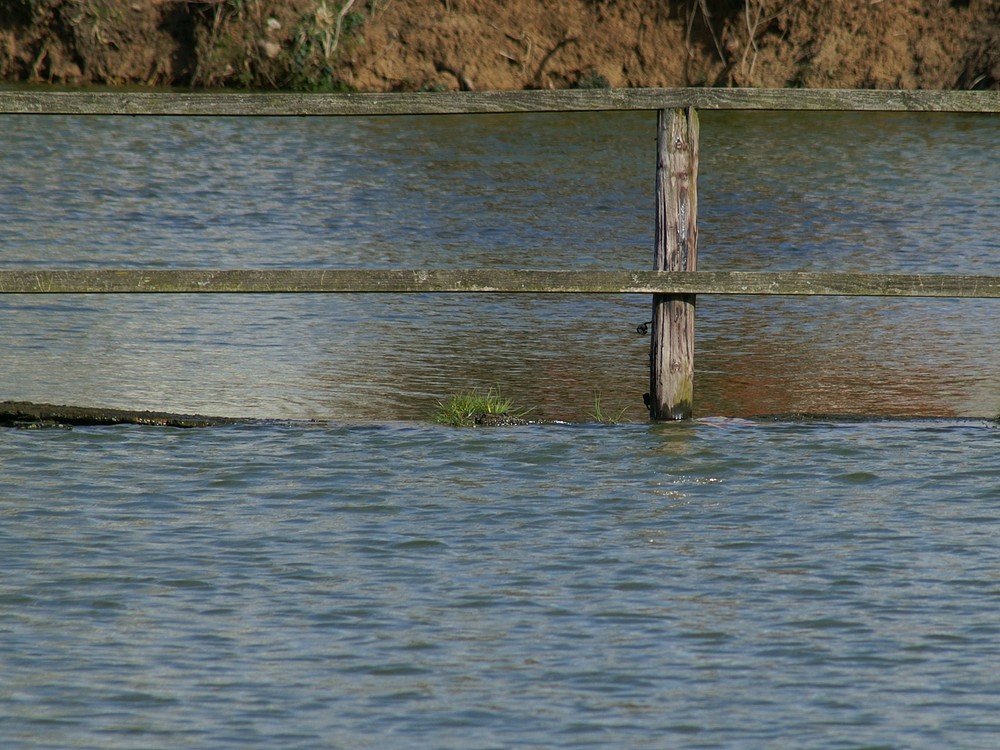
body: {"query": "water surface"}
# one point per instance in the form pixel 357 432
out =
pixel 372 580
pixel 709 585
pixel 778 191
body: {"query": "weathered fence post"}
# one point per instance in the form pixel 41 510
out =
pixel 671 365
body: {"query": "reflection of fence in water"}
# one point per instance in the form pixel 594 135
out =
pixel 675 282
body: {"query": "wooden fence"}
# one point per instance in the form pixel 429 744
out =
pixel 674 281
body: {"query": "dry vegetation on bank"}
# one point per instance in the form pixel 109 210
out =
pixel 385 45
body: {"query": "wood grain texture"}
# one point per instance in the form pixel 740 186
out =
pixel 473 102
pixel 493 280
pixel 671 355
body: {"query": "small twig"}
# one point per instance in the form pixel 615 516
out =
pixel 523 41
pixel 536 79
pixel 337 27
pixel 751 38
pixel 464 84
pixel 39 59
pixel 707 18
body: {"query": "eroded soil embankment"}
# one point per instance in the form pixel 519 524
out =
pixel 385 45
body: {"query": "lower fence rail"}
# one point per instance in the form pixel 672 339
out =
pixel 501 281
pixel 673 376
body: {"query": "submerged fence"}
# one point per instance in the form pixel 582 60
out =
pixel 674 281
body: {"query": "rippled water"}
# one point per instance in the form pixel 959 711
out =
pixel 372 580
pixel 716 584
pixel 778 191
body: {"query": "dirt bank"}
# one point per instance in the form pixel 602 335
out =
pixel 385 45
pixel 26 414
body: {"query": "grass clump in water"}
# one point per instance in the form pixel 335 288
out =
pixel 472 408
pixel 606 417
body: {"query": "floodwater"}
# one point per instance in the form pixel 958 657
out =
pixel 817 192
pixel 371 580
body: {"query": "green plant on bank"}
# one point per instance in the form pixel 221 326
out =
pixel 463 409
pixel 226 53
pixel 591 79
pixel 314 58
pixel 242 43
pixel 604 417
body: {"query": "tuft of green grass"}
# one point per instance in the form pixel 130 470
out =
pixel 605 417
pixel 462 409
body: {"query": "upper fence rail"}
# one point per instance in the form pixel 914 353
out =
pixel 233 104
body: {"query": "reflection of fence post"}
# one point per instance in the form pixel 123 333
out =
pixel 671 366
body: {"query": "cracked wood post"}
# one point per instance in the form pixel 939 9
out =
pixel 671 356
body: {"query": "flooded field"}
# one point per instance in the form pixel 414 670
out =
pixel 374 580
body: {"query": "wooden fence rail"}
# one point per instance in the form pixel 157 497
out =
pixel 480 102
pixel 493 280
pixel 674 282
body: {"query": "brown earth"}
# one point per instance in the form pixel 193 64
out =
pixel 385 45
